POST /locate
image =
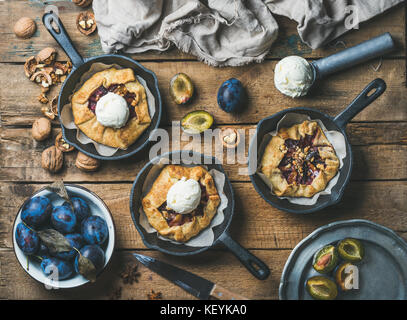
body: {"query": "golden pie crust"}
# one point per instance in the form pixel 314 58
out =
pixel 87 122
pixel 299 161
pixel 154 203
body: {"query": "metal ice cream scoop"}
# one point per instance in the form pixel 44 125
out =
pixel 350 57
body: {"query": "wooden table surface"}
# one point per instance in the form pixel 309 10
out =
pixel 377 191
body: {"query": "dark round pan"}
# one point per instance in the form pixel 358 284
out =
pixel 338 123
pixel 257 267
pixel 80 66
pixel 382 272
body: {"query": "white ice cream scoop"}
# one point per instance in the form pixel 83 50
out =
pixel 112 110
pixel 294 76
pixel 184 196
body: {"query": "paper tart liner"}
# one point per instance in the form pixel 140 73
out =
pixel 206 237
pixel 67 118
pixel 335 138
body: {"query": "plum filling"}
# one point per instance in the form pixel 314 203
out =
pixel 176 219
pixel 119 89
pixel 301 163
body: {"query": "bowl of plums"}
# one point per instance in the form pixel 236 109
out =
pixel 64 236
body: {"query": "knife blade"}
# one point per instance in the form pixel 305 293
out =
pixel 193 284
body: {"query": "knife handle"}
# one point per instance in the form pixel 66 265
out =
pixel 220 293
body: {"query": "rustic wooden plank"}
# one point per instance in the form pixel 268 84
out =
pixel 256 224
pixel 213 265
pixel 21 160
pixel 288 43
pixel 19 105
pixel 21 157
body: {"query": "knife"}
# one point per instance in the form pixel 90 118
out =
pixel 193 284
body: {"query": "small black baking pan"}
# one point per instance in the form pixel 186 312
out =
pixel 372 91
pixel 80 66
pixel 221 232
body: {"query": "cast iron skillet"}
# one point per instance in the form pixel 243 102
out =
pixel 221 235
pixel 80 66
pixel 266 125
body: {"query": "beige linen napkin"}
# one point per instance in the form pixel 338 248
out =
pixel 321 21
pixel 224 32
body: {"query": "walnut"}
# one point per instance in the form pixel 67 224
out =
pixel 230 137
pixel 52 159
pixel 48 113
pixel 46 56
pixel 30 66
pixel 53 105
pixel 82 3
pixel 42 78
pixel 41 129
pixel 43 98
pixel 86 163
pixel 62 145
pixel 86 23
pixel 25 28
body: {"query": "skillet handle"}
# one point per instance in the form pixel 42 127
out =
pixel 62 37
pixel 361 102
pixel 256 267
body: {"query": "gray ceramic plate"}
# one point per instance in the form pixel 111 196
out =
pixel 382 273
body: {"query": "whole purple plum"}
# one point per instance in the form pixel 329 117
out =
pixel 63 219
pixel 36 211
pixel 94 230
pixel 27 239
pixel 95 254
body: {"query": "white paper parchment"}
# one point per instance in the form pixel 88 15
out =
pixel 335 138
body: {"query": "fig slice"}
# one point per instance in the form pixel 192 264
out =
pixel 181 88
pixel 196 122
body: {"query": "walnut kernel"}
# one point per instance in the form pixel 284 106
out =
pixel 46 56
pixel 86 23
pixel 82 3
pixel 61 144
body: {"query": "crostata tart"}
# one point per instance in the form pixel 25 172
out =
pixel 111 108
pixel 182 202
pixel 299 161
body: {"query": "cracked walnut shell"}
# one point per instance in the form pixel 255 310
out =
pixel 25 28
pixel 30 66
pixel 86 23
pixel 82 3
pixel 52 159
pixel 62 145
pixel 86 163
pixel 46 56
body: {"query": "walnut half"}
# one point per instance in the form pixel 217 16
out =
pixel 86 23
